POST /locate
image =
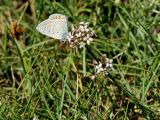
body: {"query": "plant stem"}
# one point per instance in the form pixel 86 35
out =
pixel 84 61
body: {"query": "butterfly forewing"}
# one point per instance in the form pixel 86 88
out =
pixel 46 28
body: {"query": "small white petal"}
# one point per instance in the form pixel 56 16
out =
pixel 97 67
pixel 101 69
pixel 98 71
pixel 81 23
pixel 87 30
pixel 106 73
pixel 92 33
pixel 110 65
pixel 110 61
pixel 85 39
pixel 81 45
pixel 107 65
pixel 71 36
pixel 90 39
pixel 69 33
pixel 69 40
pixel 82 29
pixel 100 64
pixel 87 23
pixel 82 34
pixel 93 77
pixel 85 26
pixel 88 42
pixel 76 41
pixel 77 35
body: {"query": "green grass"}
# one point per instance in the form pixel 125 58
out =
pixel 40 78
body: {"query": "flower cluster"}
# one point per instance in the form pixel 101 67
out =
pixel 81 36
pixel 102 66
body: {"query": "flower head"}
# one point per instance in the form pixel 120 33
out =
pixel 102 66
pixel 81 36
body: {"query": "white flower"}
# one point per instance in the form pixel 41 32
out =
pixel 104 65
pixel 81 36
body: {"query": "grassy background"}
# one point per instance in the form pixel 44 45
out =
pixel 41 79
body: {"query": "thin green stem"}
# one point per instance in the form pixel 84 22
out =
pixel 20 55
pixel 84 61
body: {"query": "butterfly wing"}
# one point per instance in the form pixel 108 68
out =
pixel 46 27
pixel 55 26
pixel 61 27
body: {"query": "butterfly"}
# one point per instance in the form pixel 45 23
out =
pixel 55 26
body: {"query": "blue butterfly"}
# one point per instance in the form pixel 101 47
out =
pixel 55 26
